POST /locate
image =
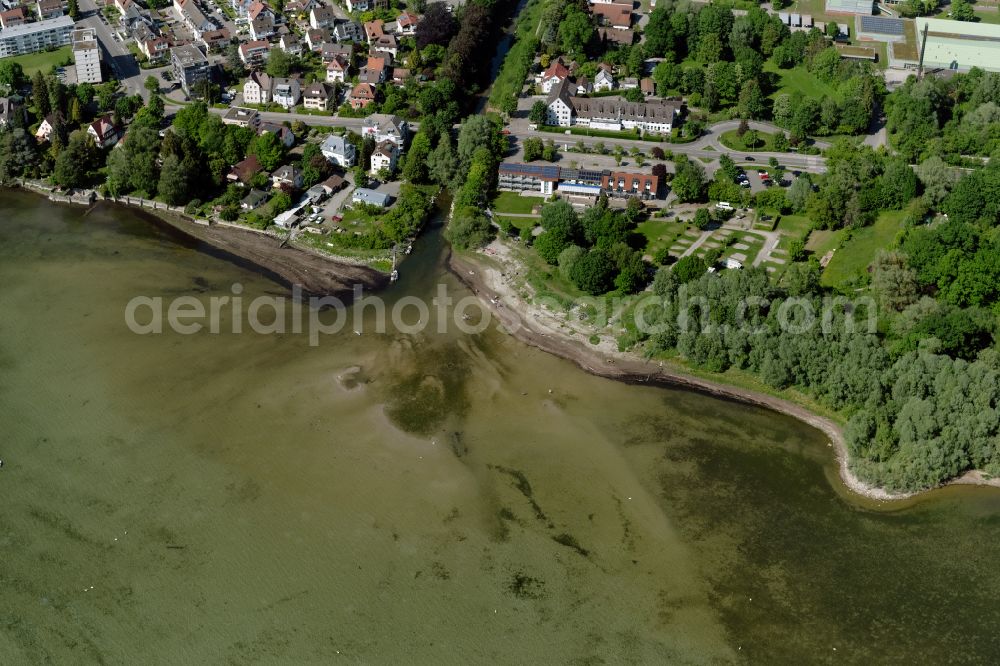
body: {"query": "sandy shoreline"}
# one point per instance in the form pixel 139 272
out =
pixel 541 329
pixel 315 273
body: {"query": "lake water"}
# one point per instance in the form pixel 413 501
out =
pixel 425 498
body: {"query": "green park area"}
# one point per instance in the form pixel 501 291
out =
pixel 513 203
pixel 752 140
pixel 799 80
pixel 44 61
pixel 857 249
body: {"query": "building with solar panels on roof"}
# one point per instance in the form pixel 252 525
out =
pixel 541 178
pixel 547 179
pixel 880 28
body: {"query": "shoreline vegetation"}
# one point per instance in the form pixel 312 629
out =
pixel 529 324
pixel 316 273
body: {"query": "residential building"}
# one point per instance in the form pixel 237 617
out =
pixel 406 24
pixel 338 71
pixel 374 29
pixel 647 86
pixel 616 36
pixel 386 44
pixel 400 75
pixel 604 79
pixel 12 17
pixel 384 157
pixel 361 96
pixel 339 151
pixel 318 97
pixel 348 31
pixel 259 8
pixel 287 176
pixel 610 113
pixel 190 66
pixel 613 15
pixel 284 134
pixel 254 200
pixel 358 5
pixel 290 44
pixel 559 106
pixel 241 117
pixel 329 51
pixel 257 89
pixel 286 92
pixel 37 36
pixel 49 9
pixel 321 17
pixel 386 127
pixel 630 82
pixel 87 56
pixel 188 12
pixel 104 133
pixel 243 172
pixel 241 7
pixel 553 76
pixel 155 48
pixel 254 53
pixel 46 128
pixel 10 109
pixel 262 27
pixel 584 86
pixel 314 38
pixel 373 72
pixel 333 184
pixel 363 195
pixel 300 7
pixel 215 40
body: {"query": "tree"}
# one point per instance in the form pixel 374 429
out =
pixel 74 10
pixel 689 181
pixel 106 95
pixel 132 166
pixel 11 73
pixel 751 139
pixel 962 11
pixel 532 149
pixel 633 95
pixel 562 228
pixel 174 185
pixel 594 272
pixel 437 26
pixel 549 152
pixel 279 63
pixel 469 229
pixel 689 268
pixel 893 281
pixel 568 259
pixel 269 150
pixel 442 163
pixel 702 218
pixel 415 168
pixel 74 163
pixel 40 94
pixel 152 85
pixel 234 63
pixel 937 178
pixel 751 104
pixel 538 113
pixel 780 142
pixel 575 31
pixel 18 154
pixel 798 193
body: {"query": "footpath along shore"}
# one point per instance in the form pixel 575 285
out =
pixel 538 327
pixel 316 273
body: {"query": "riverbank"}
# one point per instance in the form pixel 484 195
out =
pixel 317 274
pixel 541 328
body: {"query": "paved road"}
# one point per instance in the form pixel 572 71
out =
pixel 120 60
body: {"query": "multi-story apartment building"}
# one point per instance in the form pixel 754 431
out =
pixel 87 56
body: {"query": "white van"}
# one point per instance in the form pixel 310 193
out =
pixel 724 205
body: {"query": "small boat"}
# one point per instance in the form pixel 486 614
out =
pixel 394 275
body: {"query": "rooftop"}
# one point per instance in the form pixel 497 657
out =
pixel 60 22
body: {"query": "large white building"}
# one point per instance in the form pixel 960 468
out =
pixel 609 113
pixel 37 36
pixel 87 56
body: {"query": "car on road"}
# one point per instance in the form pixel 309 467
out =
pixel 748 158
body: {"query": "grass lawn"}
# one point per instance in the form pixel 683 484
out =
pixel 851 260
pixel 44 61
pixel 733 141
pixel 520 222
pixel 754 246
pixel 659 233
pixel 512 202
pixel 794 226
pixel 799 79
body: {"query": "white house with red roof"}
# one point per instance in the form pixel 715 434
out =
pixel 104 133
pixel 553 76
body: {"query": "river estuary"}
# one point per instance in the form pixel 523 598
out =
pixel 419 497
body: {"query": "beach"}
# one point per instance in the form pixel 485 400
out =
pixel 544 329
